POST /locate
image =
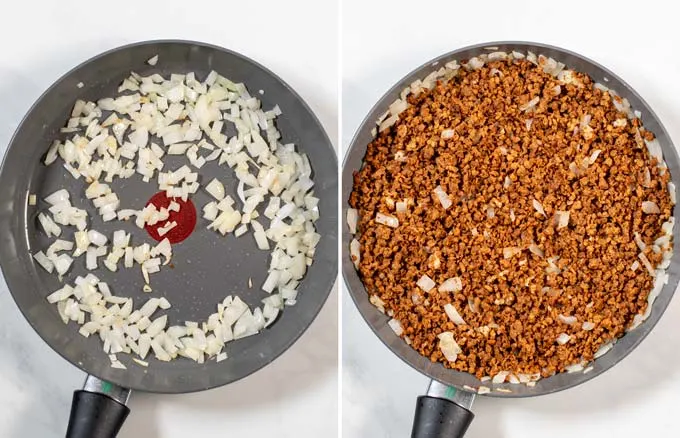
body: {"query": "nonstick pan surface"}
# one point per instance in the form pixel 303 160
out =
pixel 378 321
pixel 206 266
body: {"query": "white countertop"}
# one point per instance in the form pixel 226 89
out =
pixel 382 42
pixel 43 41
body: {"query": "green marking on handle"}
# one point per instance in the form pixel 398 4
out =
pixel 106 387
pixel 450 392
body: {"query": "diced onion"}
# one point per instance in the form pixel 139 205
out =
pixel 352 218
pixel 650 207
pixel 538 206
pixel 443 197
pixel 384 219
pixel 569 320
pixel 395 326
pixel 453 314
pixel 426 283
pixel 561 219
pixel 448 346
pixel 355 253
pixel 563 338
pixel 453 284
pixel 216 189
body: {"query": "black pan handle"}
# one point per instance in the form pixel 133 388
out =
pixel 443 413
pixel 98 410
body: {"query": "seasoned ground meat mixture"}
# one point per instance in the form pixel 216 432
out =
pixel 546 182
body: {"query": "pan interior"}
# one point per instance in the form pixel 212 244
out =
pixel 206 266
pixel 378 322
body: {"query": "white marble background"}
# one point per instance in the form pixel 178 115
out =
pixel 296 396
pixel 381 43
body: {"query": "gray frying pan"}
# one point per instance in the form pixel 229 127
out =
pixel 206 266
pixel 445 411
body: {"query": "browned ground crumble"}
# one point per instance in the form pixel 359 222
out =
pixel 515 323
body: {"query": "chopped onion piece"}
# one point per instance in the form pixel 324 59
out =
pixel 569 320
pixel 511 251
pixel 216 189
pixel 453 284
pixel 639 242
pixel 453 314
pixel 603 350
pixel 645 262
pixel 561 219
pixel 536 250
pixel 650 207
pixel 62 264
pixel 395 326
pixel 563 338
pixel 443 197
pixel 352 218
pixel 448 346
pixel 355 253
pixel 96 238
pixel 44 261
pixel 538 206
pixel 384 219
pixel 426 283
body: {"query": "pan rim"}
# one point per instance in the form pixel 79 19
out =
pixel 327 144
pixel 360 296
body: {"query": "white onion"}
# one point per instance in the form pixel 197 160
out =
pixel 448 133
pixel 44 261
pixel 538 206
pixel 59 197
pixel 453 314
pixel 671 192
pixel 511 251
pixel 352 218
pixel 48 225
pixel 563 338
pixel 426 283
pixel 162 231
pixel 561 219
pixel 603 349
pixel 645 262
pixel 216 189
pixel 536 250
pixel 453 284
pixel 530 105
pixel 500 377
pixel 574 368
pixel 377 302
pixel 388 220
pixel 587 326
pixel 96 238
pixel 569 320
pixel 62 264
pixel 355 253
pixel 443 197
pixel 448 346
pixel 650 207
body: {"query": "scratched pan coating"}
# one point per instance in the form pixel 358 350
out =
pixel 378 322
pixel 206 266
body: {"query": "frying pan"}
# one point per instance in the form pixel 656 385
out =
pixel 206 266
pixel 445 410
